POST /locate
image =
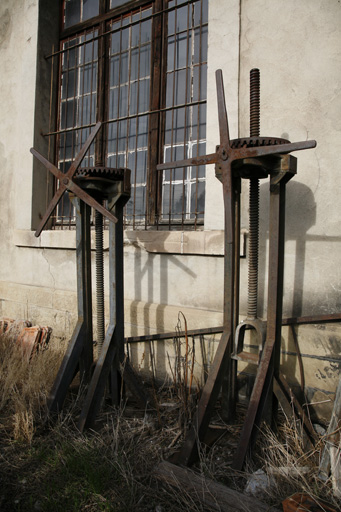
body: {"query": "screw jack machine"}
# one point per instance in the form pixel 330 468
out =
pixel 250 158
pixel 89 187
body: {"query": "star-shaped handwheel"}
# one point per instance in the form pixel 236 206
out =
pixel 66 183
pixel 227 151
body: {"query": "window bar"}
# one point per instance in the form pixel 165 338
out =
pixel 48 174
pixel 119 93
pixel 81 94
pixel 128 121
pixel 172 172
pixel 137 121
pixel 156 117
pixel 123 118
pixel 184 197
pixel 198 127
pixel 74 123
pixel 63 152
pixel 92 80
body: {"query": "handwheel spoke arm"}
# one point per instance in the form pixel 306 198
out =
pixel 222 112
pixel 55 200
pixel 76 163
pixel 52 168
pixel 212 158
pixel 239 154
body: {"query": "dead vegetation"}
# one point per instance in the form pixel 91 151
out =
pixel 50 466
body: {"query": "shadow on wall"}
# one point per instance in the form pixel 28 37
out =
pixel 151 287
pixel 300 217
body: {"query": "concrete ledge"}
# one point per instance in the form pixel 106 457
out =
pixel 210 243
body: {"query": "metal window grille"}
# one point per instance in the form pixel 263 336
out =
pixel 143 74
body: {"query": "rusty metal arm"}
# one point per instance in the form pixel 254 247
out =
pixel 66 183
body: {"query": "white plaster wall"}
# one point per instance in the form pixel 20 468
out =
pixel 223 53
pixel 18 39
pixel 297 47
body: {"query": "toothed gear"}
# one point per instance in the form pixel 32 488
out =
pixel 110 173
pixel 253 142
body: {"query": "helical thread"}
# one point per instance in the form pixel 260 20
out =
pixel 254 102
pixel 253 200
pixel 99 279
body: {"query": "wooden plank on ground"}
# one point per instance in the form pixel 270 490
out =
pixel 211 494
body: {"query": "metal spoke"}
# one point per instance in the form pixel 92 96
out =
pixel 55 200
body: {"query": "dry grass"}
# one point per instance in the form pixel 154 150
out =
pixel 24 386
pixel 55 468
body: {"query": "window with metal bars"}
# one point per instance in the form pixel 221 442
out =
pixel 139 68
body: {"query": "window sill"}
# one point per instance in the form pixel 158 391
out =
pixel 204 243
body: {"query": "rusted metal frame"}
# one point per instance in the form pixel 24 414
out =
pixel 229 384
pixel 222 361
pixel 299 357
pixel 113 346
pixel 79 351
pixel 219 329
pixel 269 364
pixel 210 392
pixel 295 405
pixel 66 183
pixel 157 96
pixel 314 319
pixel 174 334
pixel 116 279
pixel 84 298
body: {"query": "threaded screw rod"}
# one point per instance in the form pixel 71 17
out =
pixel 253 200
pixel 99 279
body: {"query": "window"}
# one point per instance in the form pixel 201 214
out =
pixel 140 68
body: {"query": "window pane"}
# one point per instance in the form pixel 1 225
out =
pixel 68 84
pixel 79 10
pixel 198 198
pixel 117 3
pixel 88 79
pixel 143 96
pixel 90 9
pixel 72 12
